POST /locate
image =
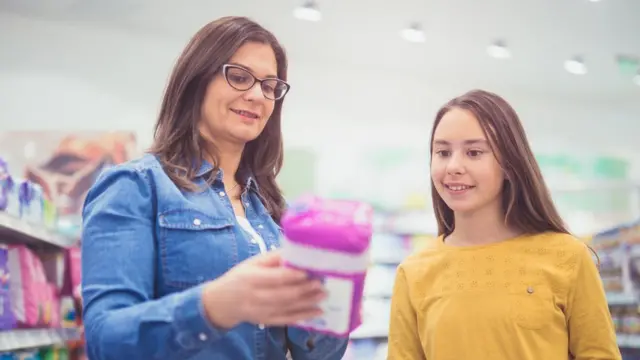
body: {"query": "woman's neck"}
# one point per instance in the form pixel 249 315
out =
pixel 228 160
pixel 481 227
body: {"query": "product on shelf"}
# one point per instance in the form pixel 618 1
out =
pixel 6 185
pixel 619 253
pixel 31 200
pixel 330 239
pixel 47 353
pixel 7 319
pixel 9 191
pixel 54 353
pixel 32 300
pixel 73 272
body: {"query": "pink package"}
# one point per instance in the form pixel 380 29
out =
pixel 30 292
pixel 330 240
pixel 74 272
pixel 53 315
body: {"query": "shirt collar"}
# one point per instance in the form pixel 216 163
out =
pixel 245 174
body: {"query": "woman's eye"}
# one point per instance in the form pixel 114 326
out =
pixel 474 153
pixel 239 79
pixel 443 153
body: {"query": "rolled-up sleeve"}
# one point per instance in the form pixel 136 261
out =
pixel 122 317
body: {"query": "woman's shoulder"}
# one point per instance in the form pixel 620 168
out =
pixel 143 168
pixel 144 163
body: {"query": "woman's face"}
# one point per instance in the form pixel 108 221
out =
pixel 464 169
pixel 234 116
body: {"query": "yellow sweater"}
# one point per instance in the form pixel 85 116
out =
pixel 530 298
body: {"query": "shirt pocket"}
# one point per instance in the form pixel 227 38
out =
pixel 531 307
pixel 195 247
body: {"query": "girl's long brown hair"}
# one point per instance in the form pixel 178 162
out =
pixel 177 141
pixel 526 199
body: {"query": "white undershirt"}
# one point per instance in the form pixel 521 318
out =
pixel 255 237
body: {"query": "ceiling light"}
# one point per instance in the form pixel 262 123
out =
pixel 499 50
pixel 575 66
pixel 636 79
pixel 414 33
pixel 308 11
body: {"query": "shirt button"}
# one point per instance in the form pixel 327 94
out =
pixel 260 226
pixel 254 241
pixel 197 222
pixel 221 193
pixel 261 326
pixel 202 337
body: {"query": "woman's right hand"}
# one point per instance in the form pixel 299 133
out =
pixel 262 291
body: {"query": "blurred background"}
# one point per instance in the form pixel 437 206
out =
pixel 81 81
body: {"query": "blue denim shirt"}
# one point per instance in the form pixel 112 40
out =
pixel 147 250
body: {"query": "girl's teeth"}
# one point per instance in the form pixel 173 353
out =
pixel 458 188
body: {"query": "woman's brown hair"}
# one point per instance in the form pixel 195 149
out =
pixel 525 198
pixel 177 141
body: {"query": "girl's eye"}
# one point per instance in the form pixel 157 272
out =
pixel 474 153
pixel 443 153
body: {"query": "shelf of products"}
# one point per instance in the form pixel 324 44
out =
pixel 16 230
pixel 36 338
pixel 397 235
pixel 39 277
pixel 619 253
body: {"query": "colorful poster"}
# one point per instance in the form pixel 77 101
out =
pixel 64 164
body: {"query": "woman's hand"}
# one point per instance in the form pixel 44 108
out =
pixel 261 291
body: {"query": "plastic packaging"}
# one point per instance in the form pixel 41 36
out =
pixel 330 240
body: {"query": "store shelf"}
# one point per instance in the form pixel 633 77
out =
pixel 621 299
pixel 36 338
pixel 628 341
pixel 369 333
pixel 14 230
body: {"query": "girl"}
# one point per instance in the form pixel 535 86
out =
pixel 505 280
pixel 174 247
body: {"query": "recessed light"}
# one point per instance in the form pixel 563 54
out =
pixel 636 79
pixel 575 66
pixel 499 50
pixel 308 11
pixel 414 33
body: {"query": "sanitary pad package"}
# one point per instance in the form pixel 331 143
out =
pixel 30 292
pixel 330 240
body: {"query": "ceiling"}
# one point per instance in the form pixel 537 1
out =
pixel 364 35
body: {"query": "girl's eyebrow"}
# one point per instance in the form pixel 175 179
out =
pixel 465 142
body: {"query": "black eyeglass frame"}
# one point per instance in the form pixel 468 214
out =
pixel 225 70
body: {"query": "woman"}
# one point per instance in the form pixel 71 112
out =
pixel 175 261
pixel 504 280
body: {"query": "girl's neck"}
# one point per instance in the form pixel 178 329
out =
pixel 481 227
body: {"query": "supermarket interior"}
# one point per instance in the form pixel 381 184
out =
pixel 81 82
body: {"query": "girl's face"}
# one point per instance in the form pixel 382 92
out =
pixel 464 169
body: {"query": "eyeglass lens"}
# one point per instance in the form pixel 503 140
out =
pixel 242 80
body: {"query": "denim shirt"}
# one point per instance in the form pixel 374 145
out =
pixel 147 250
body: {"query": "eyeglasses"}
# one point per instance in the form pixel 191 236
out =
pixel 242 80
